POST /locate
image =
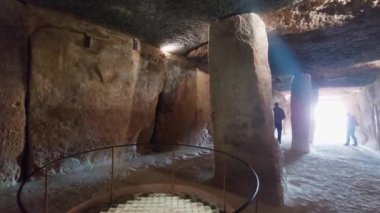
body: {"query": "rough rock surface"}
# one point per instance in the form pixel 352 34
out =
pixel 305 16
pixel 80 97
pixel 199 57
pixel 366 107
pixel 334 40
pixel 184 114
pixel 241 103
pixel 300 105
pixel 149 85
pixel 91 87
pixel 184 23
pixel 13 54
pixel 83 93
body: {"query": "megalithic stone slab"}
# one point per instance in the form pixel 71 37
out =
pixel 241 93
pixel 314 101
pixel 81 97
pixel 149 84
pixel 184 107
pixel 13 66
pixel 301 112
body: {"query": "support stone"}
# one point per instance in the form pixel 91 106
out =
pixel 314 102
pixel 301 93
pixel 241 93
pixel 13 55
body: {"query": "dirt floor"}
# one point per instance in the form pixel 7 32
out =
pixel 331 178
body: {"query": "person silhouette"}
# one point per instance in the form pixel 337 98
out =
pixel 351 125
pixel 279 115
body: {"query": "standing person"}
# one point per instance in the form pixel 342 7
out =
pixel 351 125
pixel 279 115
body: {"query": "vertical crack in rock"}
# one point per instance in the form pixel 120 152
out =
pixel 24 156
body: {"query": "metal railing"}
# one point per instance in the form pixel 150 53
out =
pixel 173 150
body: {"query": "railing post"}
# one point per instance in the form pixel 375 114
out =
pixel 112 168
pixel 257 206
pixel 221 162
pixel 224 183
pixel 173 162
pixel 46 189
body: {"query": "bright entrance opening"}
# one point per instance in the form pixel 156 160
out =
pixel 330 120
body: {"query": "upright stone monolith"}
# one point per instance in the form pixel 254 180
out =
pixel 13 67
pixel 241 93
pixel 314 102
pixel 300 104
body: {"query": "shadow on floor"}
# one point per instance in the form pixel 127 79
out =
pixel 291 156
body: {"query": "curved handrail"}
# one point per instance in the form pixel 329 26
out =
pixel 246 203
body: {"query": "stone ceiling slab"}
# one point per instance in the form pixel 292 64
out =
pixel 160 22
pixel 334 40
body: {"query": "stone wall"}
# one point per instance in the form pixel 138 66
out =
pixel 80 97
pixel 148 87
pixel 184 106
pixel 88 87
pixel 13 53
pixel 366 107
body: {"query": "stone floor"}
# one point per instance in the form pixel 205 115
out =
pixel 331 178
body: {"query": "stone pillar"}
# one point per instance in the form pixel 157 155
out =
pixel 241 93
pixel 314 102
pixel 300 104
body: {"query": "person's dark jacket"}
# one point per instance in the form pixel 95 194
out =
pixel 279 115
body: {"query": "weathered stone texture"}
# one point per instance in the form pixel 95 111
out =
pixel 241 102
pixel 300 104
pixel 164 22
pixel 366 107
pixel 83 97
pixel 13 53
pixel 314 102
pixel 148 87
pixel 336 41
pixel 303 16
pixel 199 57
pixel 184 107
